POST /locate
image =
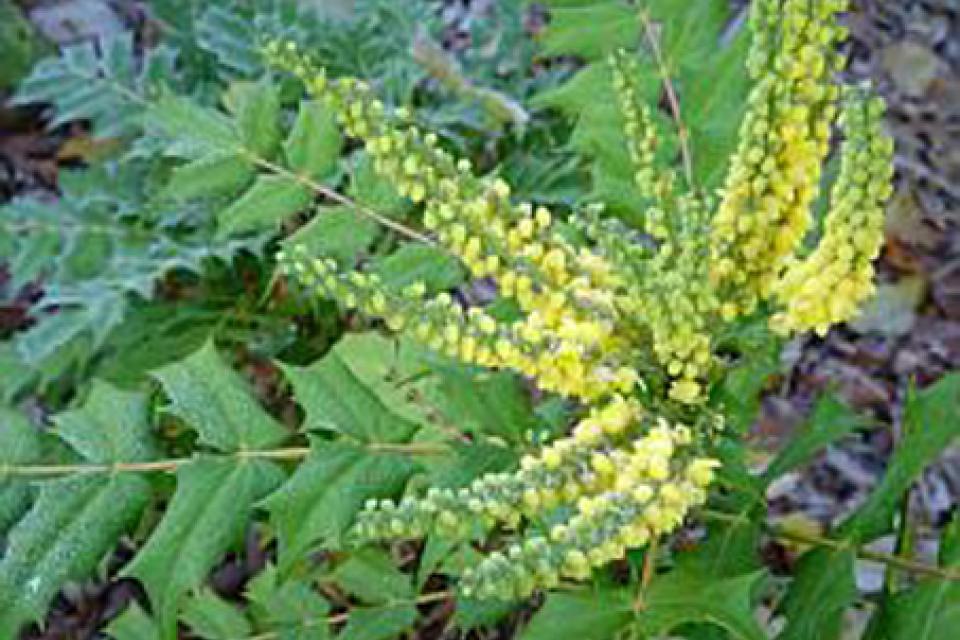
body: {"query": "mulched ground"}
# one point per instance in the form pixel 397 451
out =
pixel 911 336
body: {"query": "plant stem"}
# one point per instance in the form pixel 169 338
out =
pixel 904 564
pixel 683 134
pixel 172 464
pixel 339 198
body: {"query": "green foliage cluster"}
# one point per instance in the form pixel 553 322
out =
pixel 193 400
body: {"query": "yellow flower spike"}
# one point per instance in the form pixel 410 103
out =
pixel 828 286
pixel 591 316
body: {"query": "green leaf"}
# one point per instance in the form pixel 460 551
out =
pixel 209 512
pixel 319 502
pixel 133 624
pixel 370 574
pixel 368 188
pixel 15 373
pixel 590 30
pixel 336 398
pixel 473 614
pixel 930 610
pixel 831 421
pixel 379 623
pixel 196 131
pixel 823 587
pixel 481 402
pixel 337 232
pixel 292 608
pixel 72 525
pixel 411 263
pixel 681 598
pixel 111 426
pixel 257 108
pixel 20 443
pixel 219 174
pixel 732 543
pixel 581 615
pixel 271 200
pixel 215 401
pixel 314 144
pixel 931 421
pixel 232 38
pixel 467 463
pixel 212 618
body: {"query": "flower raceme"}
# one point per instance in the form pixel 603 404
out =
pixel 593 314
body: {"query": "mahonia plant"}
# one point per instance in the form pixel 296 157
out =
pixel 600 321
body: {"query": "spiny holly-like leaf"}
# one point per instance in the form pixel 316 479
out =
pixel 931 421
pixel 346 394
pixel 195 131
pixel 467 462
pixel 740 391
pixel 370 574
pixel 831 421
pixel 235 34
pixel 15 374
pixel 480 402
pixel 112 425
pixel 215 401
pixel 681 598
pixel 210 510
pixel 291 608
pixel 72 525
pixel 379 623
pixel 590 29
pixel 219 174
pixel 930 610
pixel 256 106
pixel 232 38
pixel 212 618
pixel 706 72
pixel 20 443
pixel 438 270
pixel 314 144
pixel 103 84
pixel 823 587
pixel 371 190
pixel 337 232
pixel 133 624
pixel 321 499
pixel 75 521
pixel 590 99
pixel 271 200
pixel 731 546
pixel 581 615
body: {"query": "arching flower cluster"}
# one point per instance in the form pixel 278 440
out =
pixel 594 313
pixel 620 481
